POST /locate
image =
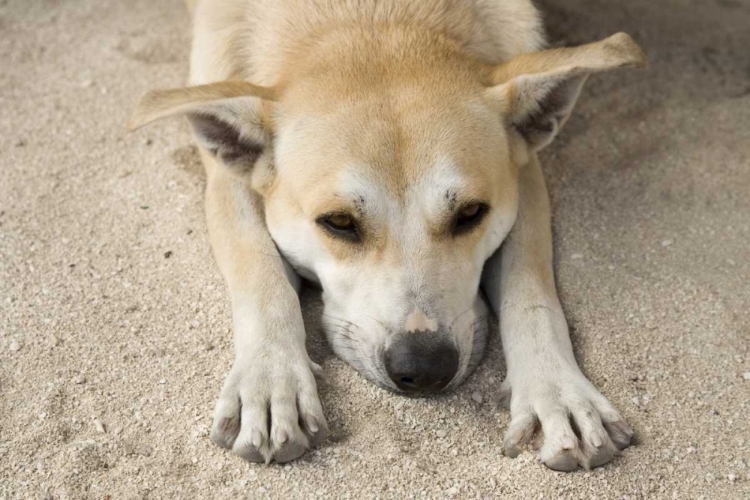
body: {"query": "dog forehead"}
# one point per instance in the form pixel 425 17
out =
pixel 362 186
pixel 389 158
pixel 439 186
pixel 435 189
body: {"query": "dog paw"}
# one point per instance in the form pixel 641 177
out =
pixel 580 427
pixel 269 409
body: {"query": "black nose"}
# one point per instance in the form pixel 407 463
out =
pixel 421 362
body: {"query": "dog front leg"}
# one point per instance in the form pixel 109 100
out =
pixel 546 386
pixel 269 407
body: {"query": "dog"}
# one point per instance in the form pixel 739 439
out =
pixel 386 149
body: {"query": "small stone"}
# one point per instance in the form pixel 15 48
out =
pixel 477 397
pixel 128 450
pixel 99 426
pixel 666 243
pixel 20 143
pixel 441 433
pixel 15 346
pixel 145 451
pixel 636 400
pixel 162 381
pixel 79 379
pixel 576 256
pixel 691 450
pixel 195 460
pixel 732 478
pixel 86 83
pixel 3 451
pixel 167 254
pixel 746 375
pixel 208 346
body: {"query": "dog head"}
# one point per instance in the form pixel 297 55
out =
pixel 390 180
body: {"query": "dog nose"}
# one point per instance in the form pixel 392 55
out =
pixel 421 362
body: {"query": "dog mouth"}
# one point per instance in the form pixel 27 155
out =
pixel 350 344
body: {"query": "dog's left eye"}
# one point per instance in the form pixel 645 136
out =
pixel 340 225
pixel 469 217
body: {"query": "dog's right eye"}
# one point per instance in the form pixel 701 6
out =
pixel 341 226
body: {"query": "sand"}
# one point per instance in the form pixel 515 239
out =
pixel 114 321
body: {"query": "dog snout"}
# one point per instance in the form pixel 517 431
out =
pixel 421 362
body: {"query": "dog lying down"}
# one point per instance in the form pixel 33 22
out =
pixel 385 149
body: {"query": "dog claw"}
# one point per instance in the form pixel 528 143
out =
pixel 596 440
pixel 513 442
pixel 511 451
pixel 252 454
pixel 620 432
pixel 568 443
pixel 312 424
pixel 603 456
pixel 257 438
pixel 282 437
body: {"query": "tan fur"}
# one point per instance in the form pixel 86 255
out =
pixel 400 100
pixel 618 50
pixel 158 104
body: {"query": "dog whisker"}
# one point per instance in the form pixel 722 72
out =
pixel 380 323
pixel 450 327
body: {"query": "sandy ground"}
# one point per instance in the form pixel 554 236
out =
pixel 114 321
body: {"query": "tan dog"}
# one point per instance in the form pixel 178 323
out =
pixel 386 149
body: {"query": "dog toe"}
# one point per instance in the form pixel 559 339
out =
pixel 620 432
pixel 289 452
pixel 226 424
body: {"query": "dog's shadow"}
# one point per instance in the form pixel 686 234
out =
pixel 311 299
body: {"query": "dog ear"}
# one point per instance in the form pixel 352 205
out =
pixel 228 118
pixel 537 91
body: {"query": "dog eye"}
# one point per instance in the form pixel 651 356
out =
pixel 468 217
pixel 340 225
pixel 341 222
